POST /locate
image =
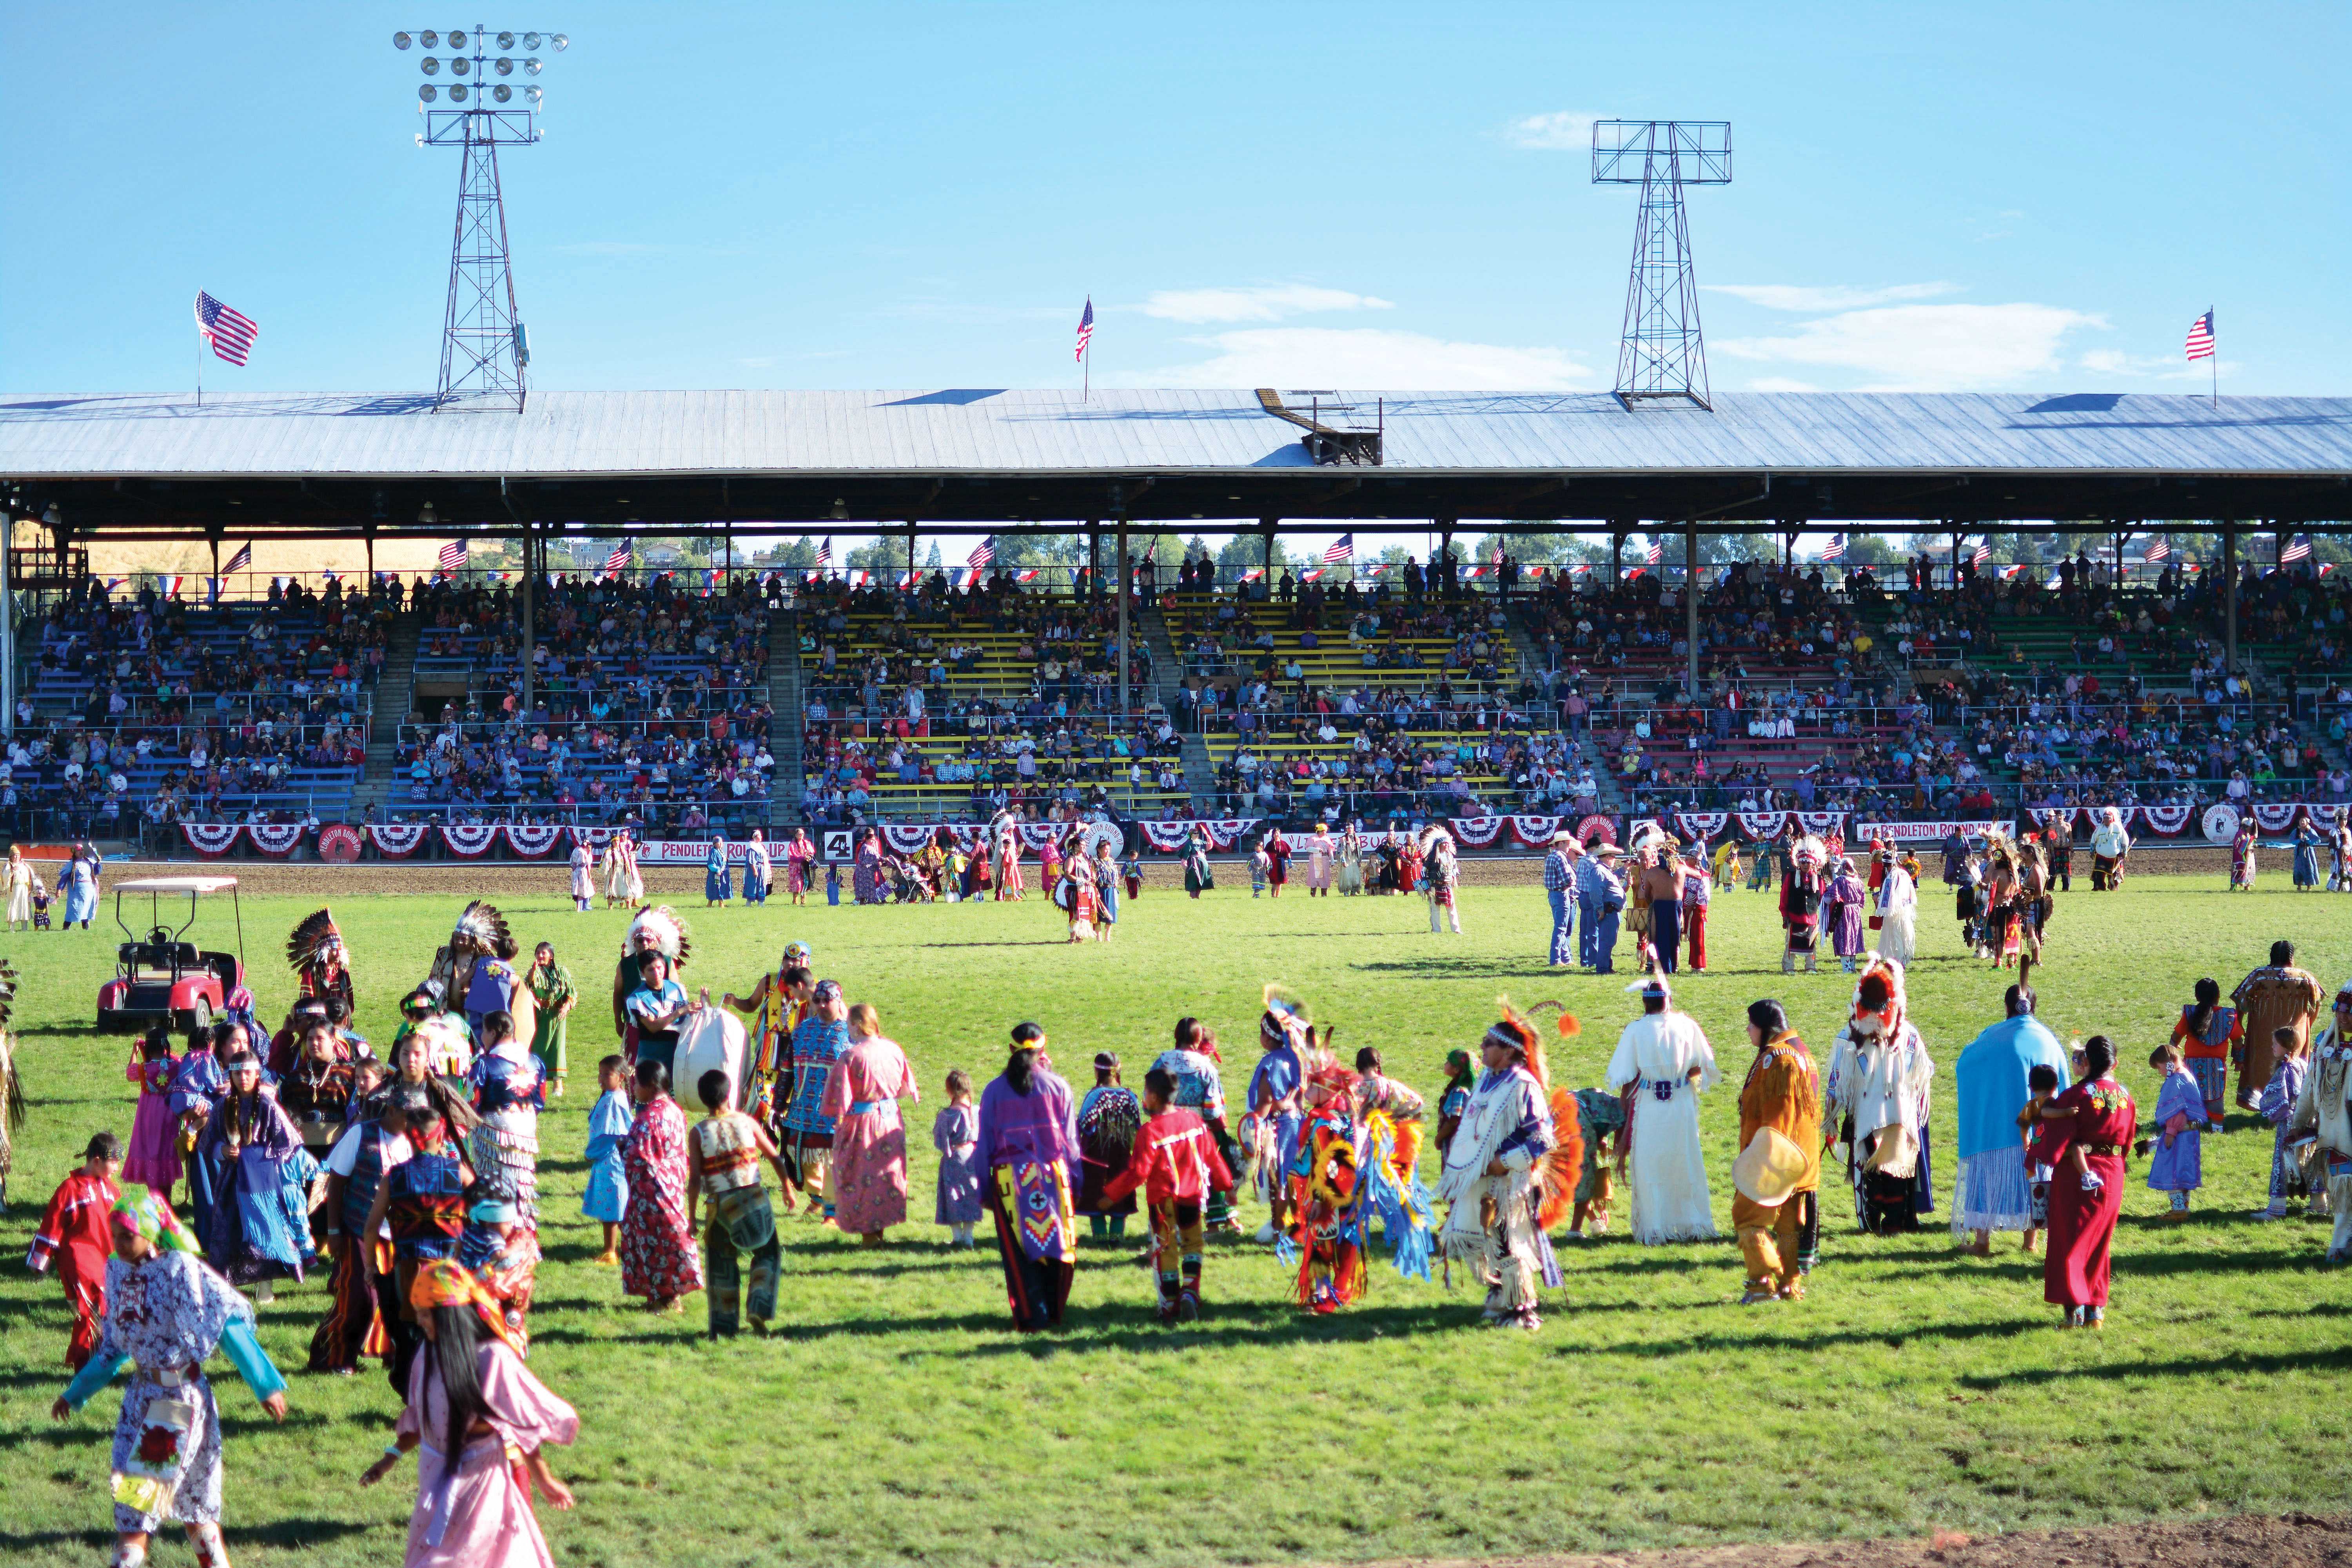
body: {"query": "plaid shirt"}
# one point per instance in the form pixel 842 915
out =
pixel 1560 871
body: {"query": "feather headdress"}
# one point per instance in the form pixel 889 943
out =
pixel 7 992
pixel 480 925
pixel 1878 995
pixel 657 926
pixel 1285 1018
pixel 313 941
pixel 1518 1031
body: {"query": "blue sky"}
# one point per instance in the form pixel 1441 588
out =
pixel 1369 195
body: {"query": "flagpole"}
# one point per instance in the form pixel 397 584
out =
pixel 1087 371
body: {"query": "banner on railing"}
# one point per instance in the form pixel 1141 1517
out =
pixel 532 841
pixel 396 840
pixel 1697 826
pixel 470 840
pixel 1535 832
pixel 277 840
pixel 340 842
pixel 1477 832
pixel 2169 821
pixel 2220 824
pixel 211 838
pixel 1921 832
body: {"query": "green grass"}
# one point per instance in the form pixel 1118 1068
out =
pixel 896 1419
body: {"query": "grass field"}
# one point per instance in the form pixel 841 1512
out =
pixel 895 1418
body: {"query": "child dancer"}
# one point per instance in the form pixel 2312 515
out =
pixel 154 1158
pixel 2277 1106
pixel 722 1163
pixel 2177 1166
pixel 2207 1034
pixel 1175 1163
pixel 74 1236
pixel 608 1182
pixel 2042 1087
pixel 955 1133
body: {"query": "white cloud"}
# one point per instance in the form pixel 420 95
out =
pixel 1927 348
pixel 1371 357
pixel 1564 132
pixel 1201 307
pixel 1814 301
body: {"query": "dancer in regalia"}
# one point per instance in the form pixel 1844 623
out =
pixel 1029 1149
pixel 1876 1096
pixel 1504 1160
pixel 320 963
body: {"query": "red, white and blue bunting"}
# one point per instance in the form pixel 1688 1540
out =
pixel 1698 825
pixel 1827 823
pixel 396 840
pixel 1535 832
pixel 211 839
pixel 275 838
pixel 532 841
pixel 470 840
pixel 907 839
pixel 594 837
pixel 1477 832
pixel 2277 818
pixel 1763 824
pixel 1168 837
pixel 2169 821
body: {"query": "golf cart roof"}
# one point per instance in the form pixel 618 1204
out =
pixel 176 885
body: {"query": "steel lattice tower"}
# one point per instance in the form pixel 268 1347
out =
pixel 1663 354
pixel 482 350
pixel 485 353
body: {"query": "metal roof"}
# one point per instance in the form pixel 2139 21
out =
pixel 978 430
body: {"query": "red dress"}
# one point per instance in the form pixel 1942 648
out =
pixel 2082 1224
pixel 74 1236
pixel 658 1252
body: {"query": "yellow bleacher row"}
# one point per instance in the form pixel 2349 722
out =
pixel 997 669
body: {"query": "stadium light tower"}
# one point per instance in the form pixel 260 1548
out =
pixel 1663 354
pixel 485 353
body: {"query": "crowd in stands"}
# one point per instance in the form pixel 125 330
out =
pixel 150 707
pixel 646 706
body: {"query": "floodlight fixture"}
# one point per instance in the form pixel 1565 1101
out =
pixel 1663 356
pixel 484 349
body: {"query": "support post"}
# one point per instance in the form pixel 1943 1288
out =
pixel 1094 561
pixel 529 599
pixel 1125 592
pixel 1616 556
pixel 1690 603
pixel 2229 596
pixel 7 624
pixel 1956 561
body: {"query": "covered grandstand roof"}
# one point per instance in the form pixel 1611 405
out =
pixel 313 460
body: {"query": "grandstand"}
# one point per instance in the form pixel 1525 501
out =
pixel 754 701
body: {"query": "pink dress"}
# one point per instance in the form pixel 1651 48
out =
pixel 154 1155
pixel 869 1140
pixel 797 855
pixel 482 1518
pixel 1008 876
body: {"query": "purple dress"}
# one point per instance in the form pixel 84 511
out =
pixel 955 1133
pixel 1841 907
pixel 1028 1154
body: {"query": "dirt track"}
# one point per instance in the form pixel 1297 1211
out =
pixel 2250 1540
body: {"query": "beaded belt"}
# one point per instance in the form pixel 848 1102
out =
pixel 1663 1088
pixel 2113 1150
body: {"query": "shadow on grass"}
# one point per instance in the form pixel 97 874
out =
pixel 96 1425
pixel 2197 1367
pixel 1048 942
pixel 1136 1329
pixel 1893 1339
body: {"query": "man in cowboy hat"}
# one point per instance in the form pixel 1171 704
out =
pixel 1560 884
pixel 1609 899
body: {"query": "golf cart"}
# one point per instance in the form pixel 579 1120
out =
pixel 159 979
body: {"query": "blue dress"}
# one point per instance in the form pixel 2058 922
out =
pixel 608 1182
pixel 81 879
pixel 717 875
pixel 2181 1167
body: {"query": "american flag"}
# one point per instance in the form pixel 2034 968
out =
pixel 1340 549
pixel 618 560
pixel 230 332
pixel 2158 549
pixel 824 554
pixel 453 556
pixel 2200 337
pixel 1657 553
pixel 240 562
pixel 1085 329
pixel 1980 554
pixel 2295 550
pixel 1835 548
pixel 981 553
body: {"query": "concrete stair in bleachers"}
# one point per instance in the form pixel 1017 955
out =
pixel 784 697
pixel 395 694
pixel 1200 770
